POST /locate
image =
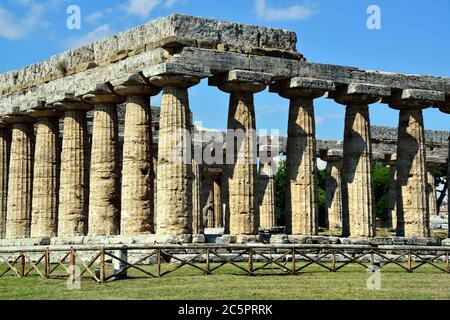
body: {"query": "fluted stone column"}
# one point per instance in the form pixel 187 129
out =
pixel 44 215
pixel 209 208
pixel 412 210
pixel 302 212
pixel 137 204
pixel 18 221
pixel 218 216
pixel 104 191
pixel 74 177
pixel 431 189
pixel 392 206
pixel 357 169
pixel 333 190
pixel 197 215
pixel 174 156
pixel 5 145
pixel 267 194
pixel 446 109
pixel 241 168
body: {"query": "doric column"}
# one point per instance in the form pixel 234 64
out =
pixel 104 192
pixel 74 176
pixel 44 213
pixel 241 168
pixel 197 215
pixel 333 189
pixel 137 208
pixel 392 205
pixel 446 109
pixel 174 149
pixel 357 170
pixel 266 193
pixel 18 221
pixel 217 188
pixel 5 146
pixel 412 210
pixel 302 213
pixel 431 166
pixel 209 207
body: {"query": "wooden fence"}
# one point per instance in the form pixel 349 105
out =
pixel 251 260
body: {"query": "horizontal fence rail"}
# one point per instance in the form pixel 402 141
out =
pixel 155 261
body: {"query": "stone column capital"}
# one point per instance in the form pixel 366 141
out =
pixel 299 87
pixel 445 107
pixel 72 103
pixel 434 162
pixel 17 118
pixel 103 94
pixel 4 124
pixel 331 155
pixel 46 112
pixel 414 99
pixel 356 94
pixel 241 81
pixel 175 75
pixel 135 84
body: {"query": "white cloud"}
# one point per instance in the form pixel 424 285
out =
pixel 141 8
pixel 294 12
pixel 15 27
pixel 97 34
pixel 10 27
pixel 97 15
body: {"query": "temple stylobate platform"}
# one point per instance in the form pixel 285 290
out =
pixel 90 183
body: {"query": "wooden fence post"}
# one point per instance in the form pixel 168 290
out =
pixel 22 264
pixel 102 266
pixel 250 261
pixel 47 263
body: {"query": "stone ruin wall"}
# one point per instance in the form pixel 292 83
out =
pixel 175 53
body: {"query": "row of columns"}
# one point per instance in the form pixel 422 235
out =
pixel 75 202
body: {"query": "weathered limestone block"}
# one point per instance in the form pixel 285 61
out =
pixel 137 208
pixel 302 212
pixel 357 169
pixel 18 222
pixel 413 218
pixel 334 194
pixel 74 179
pixel 5 145
pixel 104 195
pixel 241 168
pixel 44 215
pixel 174 150
pixel 267 195
pixel 197 215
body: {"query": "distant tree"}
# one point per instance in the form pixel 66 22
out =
pixel 381 175
pixel 280 193
pixel 441 178
pixel 381 193
pixel 322 196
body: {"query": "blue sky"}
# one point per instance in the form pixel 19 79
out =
pixel 414 38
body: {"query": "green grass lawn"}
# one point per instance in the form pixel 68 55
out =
pixel 230 283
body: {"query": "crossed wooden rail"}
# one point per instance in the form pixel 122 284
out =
pixel 291 259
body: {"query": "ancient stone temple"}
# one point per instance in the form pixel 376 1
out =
pixel 82 154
